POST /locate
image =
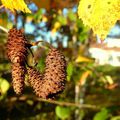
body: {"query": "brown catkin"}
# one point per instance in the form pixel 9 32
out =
pixel 17 53
pixel 35 80
pixel 18 76
pixel 52 81
pixel 55 73
pixel 16 46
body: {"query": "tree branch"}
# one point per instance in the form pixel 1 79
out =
pixel 4 29
pixel 69 104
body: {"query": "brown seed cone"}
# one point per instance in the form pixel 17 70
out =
pixel 16 46
pixel 35 80
pixel 55 73
pixel 18 76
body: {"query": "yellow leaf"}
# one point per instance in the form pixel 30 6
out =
pixel 83 59
pixel 84 77
pixel 100 15
pixel 16 5
pixel 109 79
pixel 44 19
pixel 57 25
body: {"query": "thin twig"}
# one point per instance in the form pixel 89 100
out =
pixel 1 6
pixel 4 29
pixel 42 41
pixel 69 104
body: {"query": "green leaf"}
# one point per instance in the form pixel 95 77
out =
pixel 82 31
pixel 62 112
pixel 69 70
pixel 102 115
pixel 3 19
pixel 115 118
pixel 41 64
pixel 62 20
pixel 72 16
pixel 4 85
pixel 37 16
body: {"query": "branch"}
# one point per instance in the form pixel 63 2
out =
pixel 1 6
pixel 70 104
pixel 4 29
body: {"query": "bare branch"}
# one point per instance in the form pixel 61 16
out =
pixel 69 104
pixel 4 29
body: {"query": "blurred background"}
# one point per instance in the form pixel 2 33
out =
pixel 93 66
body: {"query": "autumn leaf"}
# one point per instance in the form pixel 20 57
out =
pixel 100 15
pixel 16 5
pixel 83 59
pixel 84 76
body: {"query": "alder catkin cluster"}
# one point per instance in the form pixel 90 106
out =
pixel 17 53
pixel 52 81
pixel 45 85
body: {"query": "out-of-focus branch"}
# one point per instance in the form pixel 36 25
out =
pixel 3 29
pixel 69 104
pixel 1 6
pixel 61 103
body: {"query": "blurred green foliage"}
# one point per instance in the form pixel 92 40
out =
pixel 62 112
pixel 102 115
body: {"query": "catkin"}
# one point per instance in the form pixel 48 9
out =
pixel 17 53
pixel 55 73
pixel 18 76
pixel 16 46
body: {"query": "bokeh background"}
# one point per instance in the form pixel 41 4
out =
pixel 93 66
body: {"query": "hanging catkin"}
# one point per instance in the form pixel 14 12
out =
pixel 35 80
pixel 55 73
pixel 53 80
pixel 18 76
pixel 16 46
pixel 17 53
